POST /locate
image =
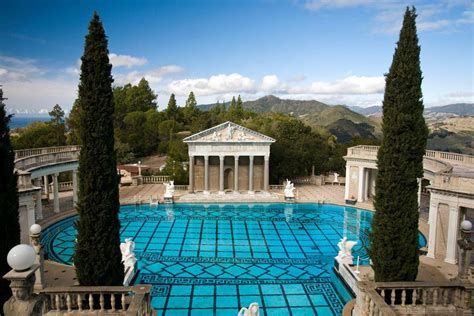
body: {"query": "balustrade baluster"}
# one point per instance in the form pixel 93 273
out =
pixel 383 294
pixel 91 302
pixel 68 302
pixel 79 302
pixel 392 297
pixel 467 302
pixel 57 302
pixel 371 308
pixel 445 297
pixel 425 294
pixel 435 297
pixel 413 298
pixel 112 302
pixel 123 302
pixel 101 301
pixel 404 296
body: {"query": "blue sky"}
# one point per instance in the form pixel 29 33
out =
pixel 333 51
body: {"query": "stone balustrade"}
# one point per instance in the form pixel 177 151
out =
pixel 278 187
pixel 45 150
pixel 97 300
pixel 181 187
pixel 30 162
pixel 409 298
pixel 62 186
pixel 155 179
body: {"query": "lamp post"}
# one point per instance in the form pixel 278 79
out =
pixel 139 168
pixel 465 247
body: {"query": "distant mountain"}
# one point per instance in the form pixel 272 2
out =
pixel 316 114
pixel 370 111
pixel 345 130
pixel 457 108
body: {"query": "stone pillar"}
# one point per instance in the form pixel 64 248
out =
pixel 433 222
pixel 206 174
pixel 191 174
pixel 361 189
pixel 46 187
pixel 366 183
pixel 23 301
pixel 236 174
pixel 453 228
pixel 266 173
pixel 347 185
pixel 56 192
pixel 38 205
pixel 221 174
pixel 36 244
pixel 420 180
pixel 74 188
pixel 251 175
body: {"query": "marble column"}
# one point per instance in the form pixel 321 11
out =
pixel 206 174
pixel 46 187
pixel 266 173
pixel 236 174
pixel 56 192
pixel 366 183
pixel 221 174
pixel 453 229
pixel 433 222
pixel 38 205
pixel 360 193
pixel 191 174
pixel 348 182
pixel 420 180
pixel 74 187
pixel 251 175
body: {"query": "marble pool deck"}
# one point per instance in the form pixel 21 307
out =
pixel 63 275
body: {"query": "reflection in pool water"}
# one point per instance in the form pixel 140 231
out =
pixel 215 258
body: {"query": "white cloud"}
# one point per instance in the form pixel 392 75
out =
pixel 218 84
pixel 152 76
pixel 43 111
pixel 126 60
pixel 349 85
pixel 270 83
pixel 450 98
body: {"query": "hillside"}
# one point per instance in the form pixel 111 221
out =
pixel 460 109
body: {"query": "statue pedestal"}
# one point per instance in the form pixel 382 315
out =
pixel 130 273
pixel 168 199
pixel 289 199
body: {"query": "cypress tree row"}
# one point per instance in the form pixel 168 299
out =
pixel 9 225
pixel 394 237
pixel 97 257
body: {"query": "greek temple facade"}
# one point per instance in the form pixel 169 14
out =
pixel 229 158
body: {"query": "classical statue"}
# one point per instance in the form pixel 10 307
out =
pixel 289 189
pixel 253 310
pixel 345 250
pixel 336 177
pixel 169 189
pixel 230 131
pixel 216 136
pixel 128 253
pixel 241 136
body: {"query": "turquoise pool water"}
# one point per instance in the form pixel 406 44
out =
pixel 212 259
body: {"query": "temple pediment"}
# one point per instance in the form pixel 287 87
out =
pixel 228 132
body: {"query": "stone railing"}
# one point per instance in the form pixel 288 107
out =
pixel 155 179
pixel 370 152
pixel 278 187
pixel 181 187
pixel 409 298
pixel 45 150
pixel 29 162
pixel 62 186
pixel 97 300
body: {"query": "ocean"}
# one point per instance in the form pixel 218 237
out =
pixel 23 121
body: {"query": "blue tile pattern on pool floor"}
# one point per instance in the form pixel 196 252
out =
pixel 212 259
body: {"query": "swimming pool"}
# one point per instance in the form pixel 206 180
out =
pixel 205 259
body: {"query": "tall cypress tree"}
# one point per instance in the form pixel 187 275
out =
pixel 9 225
pixel 394 237
pixel 172 109
pixel 97 258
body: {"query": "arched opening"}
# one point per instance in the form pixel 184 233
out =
pixel 228 179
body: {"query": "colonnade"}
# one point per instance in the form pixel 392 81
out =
pixel 235 169
pixel 43 182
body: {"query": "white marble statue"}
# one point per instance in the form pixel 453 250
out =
pixel 216 136
pixel 242 136
pixel 345 250
pixel 169 189
pixel 289 189
pixel 128 253
pixel 336 177
pixel 230 132
pixel 253 310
